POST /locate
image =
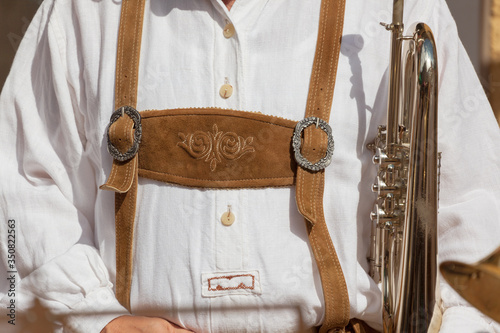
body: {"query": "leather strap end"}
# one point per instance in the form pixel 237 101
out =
pixel 310 187
pixel 121 137
pixel 122 176
pixel 308 215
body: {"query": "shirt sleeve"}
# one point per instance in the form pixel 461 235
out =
pixel 48 187
pixel 469 196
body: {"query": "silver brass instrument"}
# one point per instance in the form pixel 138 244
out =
pixel 404 220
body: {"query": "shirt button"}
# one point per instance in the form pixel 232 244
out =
pixel 227 218
pixel 226 91
pixel 229 30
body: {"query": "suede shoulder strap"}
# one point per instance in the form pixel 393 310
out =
pixel 123 178
pixel 310 184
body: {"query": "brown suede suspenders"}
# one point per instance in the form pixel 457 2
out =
pixel 310 184
pixel 175 160
pixel 123 178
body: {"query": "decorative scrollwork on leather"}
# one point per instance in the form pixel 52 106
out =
pixel 215 146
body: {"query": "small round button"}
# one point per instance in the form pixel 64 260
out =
pixel 229 30
pixel 227 218
pixel 226 91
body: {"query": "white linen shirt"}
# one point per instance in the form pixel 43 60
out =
pixel 57 102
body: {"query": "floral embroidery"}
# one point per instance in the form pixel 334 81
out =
pixel 215 146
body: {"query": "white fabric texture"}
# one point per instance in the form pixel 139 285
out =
pixel 57 102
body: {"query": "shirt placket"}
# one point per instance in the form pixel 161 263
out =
pixel 229 223
pixel 229 220
pixel 227 63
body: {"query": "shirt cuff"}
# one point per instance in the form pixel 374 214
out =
pixel 94 312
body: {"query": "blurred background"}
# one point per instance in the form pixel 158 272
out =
pixel 478 25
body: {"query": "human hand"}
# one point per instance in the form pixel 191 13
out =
pixel 140 324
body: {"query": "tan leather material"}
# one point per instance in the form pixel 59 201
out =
pixel 124 175
pixel 121 134
pixel 128 53
pixel 217 148
pixel 125 204
pixel 310 185
pixel 121 176
pixel 127 72
pixel 359 326
pixel 310 196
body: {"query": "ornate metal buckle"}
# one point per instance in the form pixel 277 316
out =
pixel 136 117
pixel 296 142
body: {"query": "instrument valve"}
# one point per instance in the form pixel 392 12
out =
pixel 389 203
pixel 390 176
pixel 383 220
pixel 389 224
pixel 383 189
pixel 381 159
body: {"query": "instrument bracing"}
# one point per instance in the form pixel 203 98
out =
pixel 403 251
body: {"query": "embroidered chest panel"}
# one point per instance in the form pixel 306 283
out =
pixel 216 148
